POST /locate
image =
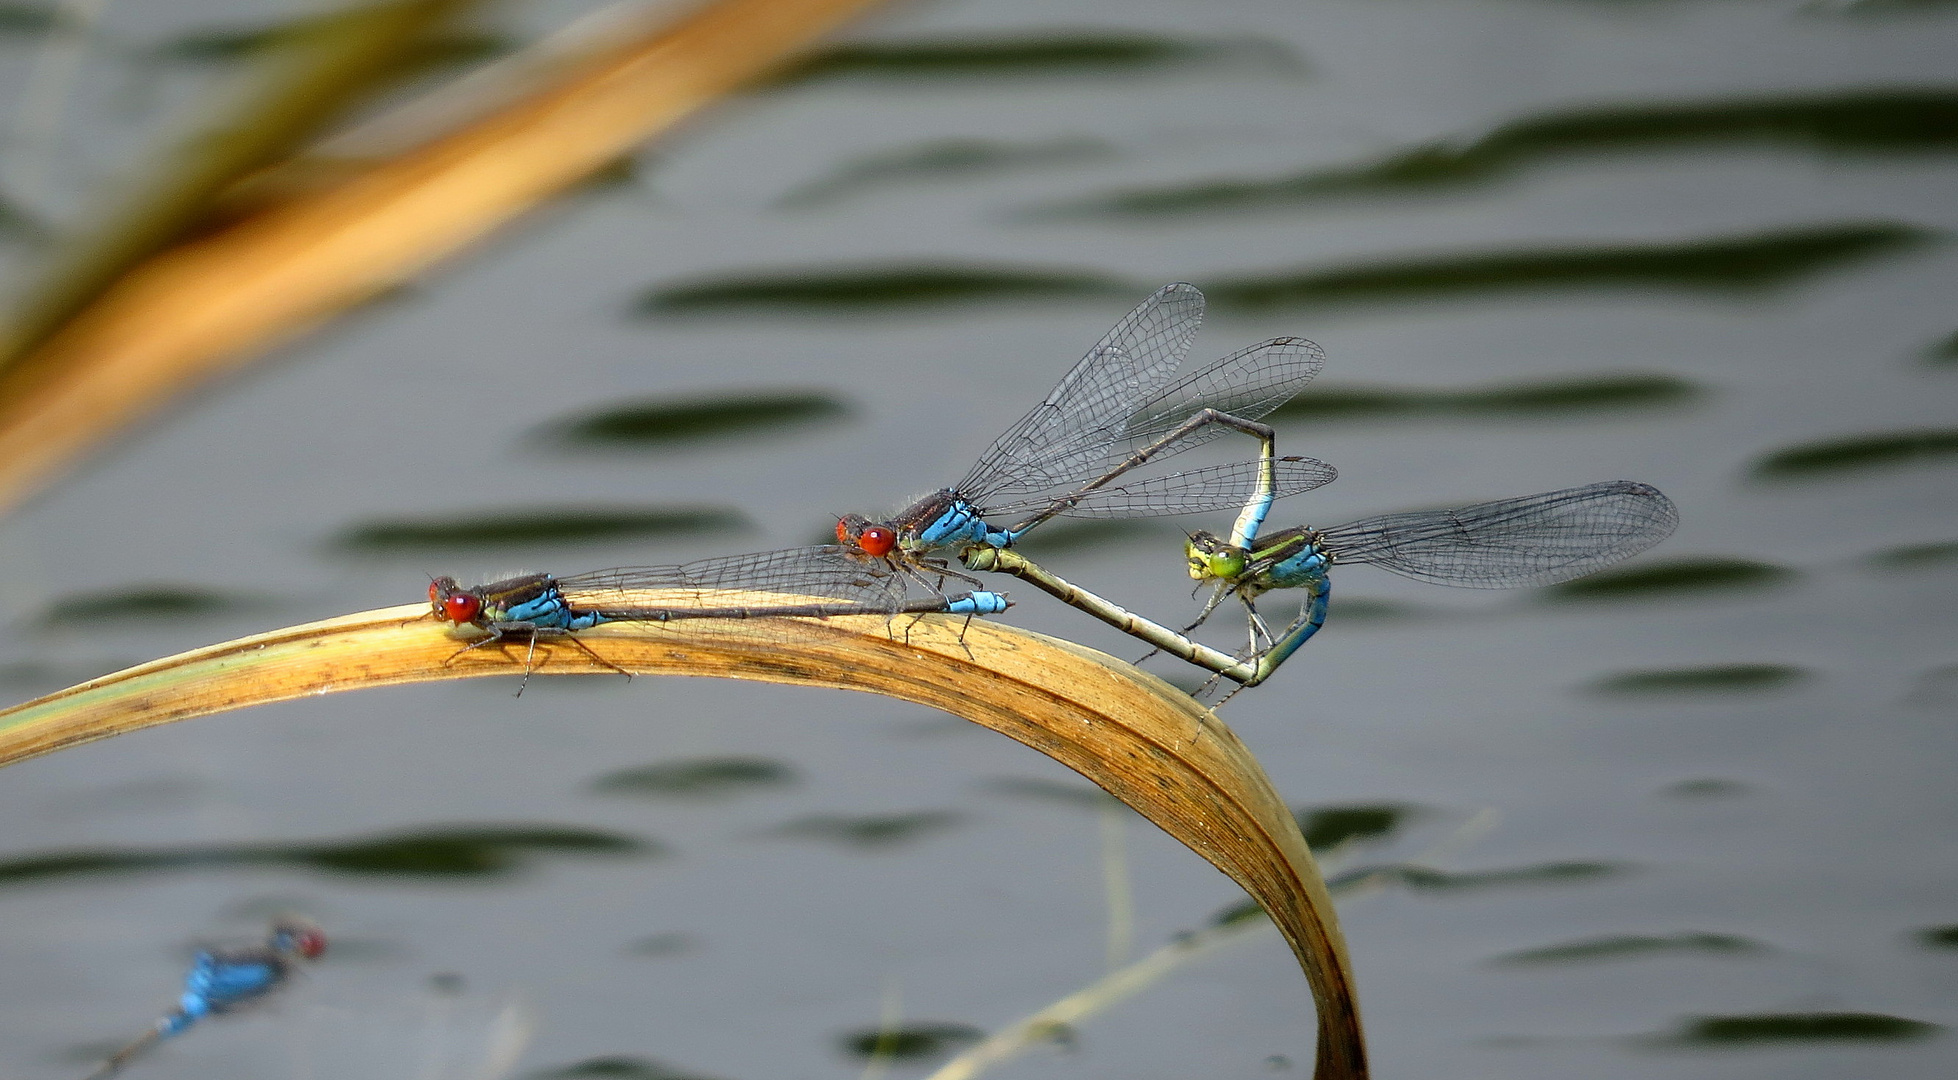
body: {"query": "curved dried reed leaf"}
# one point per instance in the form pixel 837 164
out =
pixel 302 81
pixel 1142 740
pixel 195 310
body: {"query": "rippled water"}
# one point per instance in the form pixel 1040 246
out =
pixel 1691 818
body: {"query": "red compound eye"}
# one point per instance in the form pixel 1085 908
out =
pixel 435 594
pixel 876 540
pixel 461 607
pixel 310 944
pixel 843 530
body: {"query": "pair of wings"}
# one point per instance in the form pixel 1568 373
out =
pixel 1120 398
pixel 1510 543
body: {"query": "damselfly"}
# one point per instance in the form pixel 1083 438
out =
pixel 817 582
pixel 222 980
pixel 1115 411
pixel 1533 540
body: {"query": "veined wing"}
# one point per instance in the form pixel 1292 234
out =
pixel 1533 540
pixel 1193 491
pixel 1249 383
pixel 1064 440
pixel 828 572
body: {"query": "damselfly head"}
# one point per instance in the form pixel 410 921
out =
pixel 301 937
pixel 453 602
pixel 1211 558
pixel 858 532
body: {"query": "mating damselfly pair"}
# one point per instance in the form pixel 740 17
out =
pixel 1120 410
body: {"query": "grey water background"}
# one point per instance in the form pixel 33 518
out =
pixel 1671 823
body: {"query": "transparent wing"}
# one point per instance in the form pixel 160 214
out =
pixel 1193 491
pixel 1533 540
pixel 1067 436
pixel 1249 383
pixel 828 572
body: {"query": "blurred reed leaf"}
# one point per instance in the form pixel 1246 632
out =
pixel 164 602
pixel 1897 121
pixel 1725 678
pixel 1721 264
pixel 1916 556
pixel 451 46
pixel 870 830
pixel 1552 397
pixel 697 778
pixel 1944 352
pixel 1762 1029
pixel 1132 734
pixel 456 851
pixel 570 524
pixel 1631 946
pixel 303 78
pixel 1858 453
pixel 1672 577
pixel 178 288
pixel 908 1042
pixel 1050 53
pixel 671 420
pixel 851 291
pixel 941 160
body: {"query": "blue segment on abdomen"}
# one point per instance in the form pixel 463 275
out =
pixel 977 603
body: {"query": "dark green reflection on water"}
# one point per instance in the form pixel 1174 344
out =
pixel 877 287
pixel 939 160
pixel 1428 879
pixel 564 524
pixel 870 831
pixel 664 421
pixel 1944 352
pixel 1025 55
pixel 1938 937
pixel 1673 577
pixel 616 1067
pixel 1861 121
pixel 1781 1028
pixel 1631 946
pixel 1706 787
pixel 28 20
pixel 1858 453
pixel 1721 264
pixel 1066 537
pixel 1726 678
pixel 1327 827
pixel 699 778
pixel 1734 264
pixel 1084 796
pixel 908 1042
pixel 465 851
pixel 1580 396
pixel 1916 556
pixel 159 602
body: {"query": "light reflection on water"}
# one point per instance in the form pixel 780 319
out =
pixel 1544 244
